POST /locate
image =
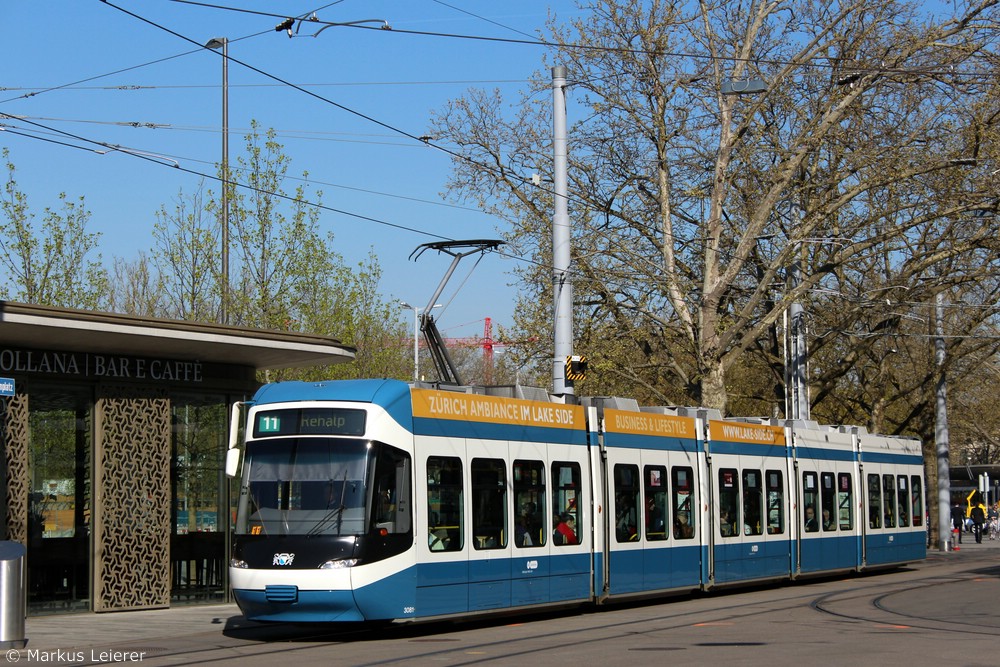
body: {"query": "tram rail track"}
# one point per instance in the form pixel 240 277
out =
pixel 881 611
pixel 862 604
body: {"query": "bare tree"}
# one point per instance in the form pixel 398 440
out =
pixel 873 130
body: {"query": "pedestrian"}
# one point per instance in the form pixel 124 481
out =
pixel 957 520
pixel 978 515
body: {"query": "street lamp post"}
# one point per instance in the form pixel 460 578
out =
pixel 416 336
pixel 223 43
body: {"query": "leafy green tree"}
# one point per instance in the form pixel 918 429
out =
pixel 278 251
pixel 187 259
pixel 348 306
pixel 137 288
pixel 49 264
pixel 284 272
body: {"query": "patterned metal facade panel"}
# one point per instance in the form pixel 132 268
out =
pixel 132 489
pixel 15 447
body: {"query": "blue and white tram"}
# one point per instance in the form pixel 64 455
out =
pixel 377 500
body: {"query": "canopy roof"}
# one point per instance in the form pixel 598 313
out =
pixel 45 327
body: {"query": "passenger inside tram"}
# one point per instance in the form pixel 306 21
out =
pixel 682 527
pixel 811 525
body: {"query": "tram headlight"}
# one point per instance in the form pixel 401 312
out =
pixel 339 563
pixel 236 562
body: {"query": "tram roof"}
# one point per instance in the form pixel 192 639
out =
pixel 46 327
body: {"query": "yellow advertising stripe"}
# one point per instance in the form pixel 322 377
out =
pixel 645 423
pixel 742 432
pixel 435 404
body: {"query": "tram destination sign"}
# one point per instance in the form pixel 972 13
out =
pixel 309 421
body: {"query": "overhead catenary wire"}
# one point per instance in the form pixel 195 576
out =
pixel 578 276
pixel 385 125
pixel 835 63
pixel 444 204
pixel 420 138
pixel 159 160
pixel 246 186
pixel 409 135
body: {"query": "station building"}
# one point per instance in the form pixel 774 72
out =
pixel 114 442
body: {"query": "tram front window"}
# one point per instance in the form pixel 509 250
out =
pixel 304 486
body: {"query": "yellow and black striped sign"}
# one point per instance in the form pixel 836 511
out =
pixel 576 368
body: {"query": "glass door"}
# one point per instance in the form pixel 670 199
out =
pixel 60 454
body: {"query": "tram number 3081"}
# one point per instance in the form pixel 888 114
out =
pixel 409 610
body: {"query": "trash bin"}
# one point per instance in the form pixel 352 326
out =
pixel 12 595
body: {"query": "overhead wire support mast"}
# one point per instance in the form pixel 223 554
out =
pixel 562 279
pixel 447 372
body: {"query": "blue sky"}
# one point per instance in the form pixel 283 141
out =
pixel 123 81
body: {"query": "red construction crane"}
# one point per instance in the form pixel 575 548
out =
pixel 488 345
pixel 488 352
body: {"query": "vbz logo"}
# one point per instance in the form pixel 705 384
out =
pixel 283 559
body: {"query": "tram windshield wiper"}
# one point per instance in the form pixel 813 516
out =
pixel 336 514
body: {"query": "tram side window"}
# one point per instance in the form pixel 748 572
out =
pixel 657 501
pixel 845 502
pixel 889 494
pixel 489 504
pixel 810 500
pixel 874 502
pixel 529 503
pixel 683 501
pixel 918 500
pixel 753 499
pixel 729 502
pixel 828 501
pixel 391 492
pixel 626 498
pixel 903 496
pixel 445 504
pixel 775 502
pixel 566 502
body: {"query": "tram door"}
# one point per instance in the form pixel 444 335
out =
pixel 570 561
pixel 532 524
pixel 443 563
pixel 728 543
pixel 490 524
pixel 625 544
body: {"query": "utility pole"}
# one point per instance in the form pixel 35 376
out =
pixel 562 283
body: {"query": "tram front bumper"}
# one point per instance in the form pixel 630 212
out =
pixel 289 604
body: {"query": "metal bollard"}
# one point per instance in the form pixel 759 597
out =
pixel 13 608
